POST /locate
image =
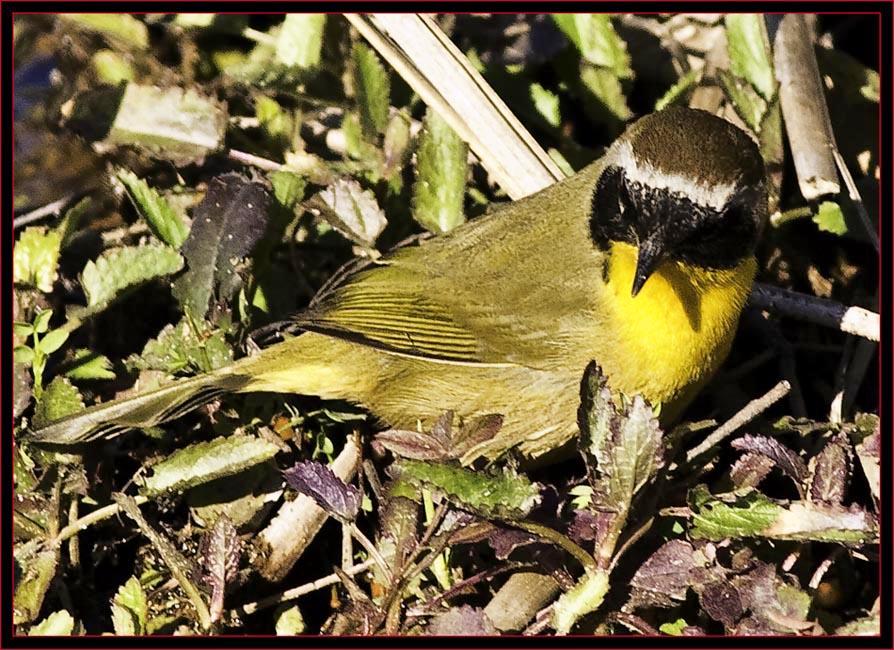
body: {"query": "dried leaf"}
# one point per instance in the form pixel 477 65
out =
pixel 320 483
pixel 665 575
pixel 750 469
pixel 830 471
pixel 464 620
pixel 219 550
pixel 414 445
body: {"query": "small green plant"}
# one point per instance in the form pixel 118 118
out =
pixel 44 342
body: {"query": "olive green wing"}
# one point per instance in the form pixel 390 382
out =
pixel 515 287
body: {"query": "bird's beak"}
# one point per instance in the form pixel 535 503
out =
pixel 651 253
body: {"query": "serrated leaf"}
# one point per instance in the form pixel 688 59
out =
pixel 622 449
pixel 35 257
pixel 300 40
pixel 748 53
pixel 38 564
pixel 414 445
pixel 205 462
pixel 179 347
pixel 745 516
pixel 373 87
pixel 86 365
pixel 56 624
pixel 665 574
pixel 830 471
pixel 352 210
pixel 181 568
pixel 321 484
pixel 830 218
pixel 220 551
pixel 59 399
pixel 441 168
pixel 121 270
pixel 130 609
pixel 226 227
pixel 505 494
pixel 163 222
pixel 750 469
pixel 596 40
pixel 122 28
pixel 784 458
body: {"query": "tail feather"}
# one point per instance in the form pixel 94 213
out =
pixel 169 402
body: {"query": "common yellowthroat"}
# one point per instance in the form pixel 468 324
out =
pixel 642 261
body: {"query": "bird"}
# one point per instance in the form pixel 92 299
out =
pixel 642 261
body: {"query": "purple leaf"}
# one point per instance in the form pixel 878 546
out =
pixel 414 445
pixel 219 558
pixel 786 460
pixel 321 484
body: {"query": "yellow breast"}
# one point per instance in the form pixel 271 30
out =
pixel 668 340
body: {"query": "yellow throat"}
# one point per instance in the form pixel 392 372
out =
pixel 676 331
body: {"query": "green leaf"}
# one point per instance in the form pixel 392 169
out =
pixel 289 622
pixel 23 330
pixel 750 106
pixel 35 257
pixel 744 516
pixel 622 447
pixel 72 219
pixel 38 564
pixel 163 222
pixel 373 87
pixel 180 347
pixel 169 123
pixel 678 91
pixel 123 29
pixel 830 218
pixel 23 354
pixel 300 40
pixel 441 168
pixel 111 68
pixel 42 321
pixel 207 461
pixel 121 270
pixel 606 88
pixel 504 494
pixel 59 399
pixel 596 40
pixel 288 188
pixel 52 341
pixel 748 53
pixel 274 120
pixel 87 364
pixel 674 628
pixel 129 609
pixel 546 103
pixel 56 624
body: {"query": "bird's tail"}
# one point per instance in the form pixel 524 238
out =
pixel 306 364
